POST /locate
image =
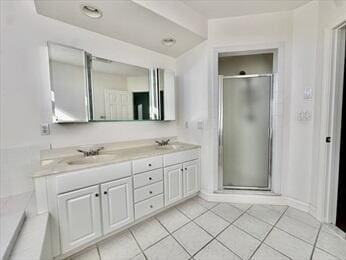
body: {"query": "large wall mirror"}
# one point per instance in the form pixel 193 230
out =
pixel 68 84
pixel 119 91
pixel 86 88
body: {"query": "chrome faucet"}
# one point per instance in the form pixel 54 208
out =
pixel 91 151
pixel 163 142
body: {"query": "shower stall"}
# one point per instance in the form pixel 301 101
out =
pixel 245 131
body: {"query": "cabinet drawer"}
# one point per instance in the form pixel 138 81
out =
pixel 148 206
pixel 180 157
pixel 148 191
pixel 147 164
pixel 87 177
pixel 147 178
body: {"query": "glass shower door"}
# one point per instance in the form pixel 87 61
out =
pixel 245 131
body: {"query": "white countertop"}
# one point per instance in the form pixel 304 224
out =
pixel 52 166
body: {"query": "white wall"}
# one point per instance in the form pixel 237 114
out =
pixel 330 14
pixel 197 82
pixel 192 99
pixel 25 94
pixel 304 42
pixel 301 33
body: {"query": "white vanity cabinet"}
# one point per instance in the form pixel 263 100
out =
pixel 190 178
pixel 117 204
pixel 181 175
pixel 79 216
pixel 87 204
pixel 80 212
pixel 148 186
pixel 173 184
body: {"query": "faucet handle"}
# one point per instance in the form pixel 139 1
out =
pixel 162 142
pixel 85 153
pixel 99 149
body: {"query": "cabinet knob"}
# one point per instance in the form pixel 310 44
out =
pixel 150 178
pixel 96 194
pixel 149 164
pixel 185 169
pixel 105 192
pixel 151 206
pixel 150 192
pixel 182 169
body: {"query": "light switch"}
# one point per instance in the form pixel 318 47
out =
pixel 186 124
pixel 200 125
pixel 45 129
pixel 308 93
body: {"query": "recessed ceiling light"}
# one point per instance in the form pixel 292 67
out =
pixel 91 11
pixel 168 41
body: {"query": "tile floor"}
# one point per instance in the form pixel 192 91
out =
pixel 198 229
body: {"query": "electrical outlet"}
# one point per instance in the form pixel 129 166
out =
pixel 304 115
pixel 45 129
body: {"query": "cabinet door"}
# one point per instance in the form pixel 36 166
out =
pixel 191 178
pixel 173 184
pixel 79 215
pixel 117 204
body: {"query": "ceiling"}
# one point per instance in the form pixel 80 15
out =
pixel 123 20
pixel 230 8
pixel 146 22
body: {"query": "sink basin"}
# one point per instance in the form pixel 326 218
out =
pixel 91 159
pixel 169 147
pixel 46 162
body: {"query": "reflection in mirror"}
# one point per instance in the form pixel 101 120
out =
pixel 68 84
pixel 164 81
pixel 120 91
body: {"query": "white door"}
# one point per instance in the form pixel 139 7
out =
pixel 118 105
pixel 173 184
pixel 117 204
pixel 79 214
pixel 191 178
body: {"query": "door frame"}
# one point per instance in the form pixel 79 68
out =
pixel 331 120
pixel 279 51
pixel 220 132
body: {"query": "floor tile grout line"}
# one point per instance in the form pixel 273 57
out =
pixel 315 243
pixel 302 222
pixel 264 220
pixel 243 211
pixel 229 222
pixel 210 209
pixel 98 251
pixel 190 220
pixel 283 213
pixel 293 235
pixel 139 246
pixel 299 219
pixel 171 234
pixel 215 237
pixel 329 253
pixel 275 225
pixel 332 254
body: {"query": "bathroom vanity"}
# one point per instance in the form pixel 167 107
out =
pixel 90 198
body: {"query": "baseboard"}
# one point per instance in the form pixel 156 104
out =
pixel 256 199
